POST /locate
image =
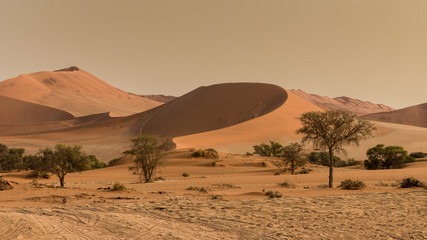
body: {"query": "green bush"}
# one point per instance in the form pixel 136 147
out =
pixel 418 155
pixel 381 157
pixel 352 184
pixel 411 182
pixel 95 163
pixel 273 150
pixel 198 153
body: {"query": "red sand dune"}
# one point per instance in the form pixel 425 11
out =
pixel 342 103
pixel 13 111
pixel 77 92
pixel 414 116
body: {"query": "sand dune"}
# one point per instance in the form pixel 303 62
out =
pixel 415 116
pixel 342 103
pixel 13 111
pixel 77 92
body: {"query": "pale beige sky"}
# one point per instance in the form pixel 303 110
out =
pixel 373 50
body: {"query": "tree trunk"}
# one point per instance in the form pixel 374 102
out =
pixel 292 168
pixel 331 168
pixel 61 181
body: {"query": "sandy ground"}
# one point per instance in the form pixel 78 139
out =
pixel 85 209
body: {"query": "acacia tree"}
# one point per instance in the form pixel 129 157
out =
pixel 332 130
pixel 293 155
pixel 62 160
pixel 148 155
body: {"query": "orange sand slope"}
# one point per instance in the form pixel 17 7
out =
pixel 13 111
pixel 344 103
pixel 77 92
pixel 415 116
pixel 204 109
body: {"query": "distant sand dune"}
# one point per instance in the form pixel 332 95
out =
pixel 77 92
pixel 13 111
pixel 414 116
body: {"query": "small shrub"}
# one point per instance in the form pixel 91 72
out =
pixel 5 185
pixel 272 194
pixel 216 197
pixel 210 153
pixel 198 153
pixel 227 186
pixel 264 164
pixel 185 174
pixel 276 173
pixel 217 164
pixel 38 174
pixel 287 185
pixel 305 170
pixel 323 186
pixel 418 155
pixel 411 182
pixel 349 184
pixel 119 187
pixel 200 189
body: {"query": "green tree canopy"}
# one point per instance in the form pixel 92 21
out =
pixel 381 157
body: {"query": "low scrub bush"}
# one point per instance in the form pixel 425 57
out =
pixel 287 185
pixel 305 171
pixel 200 189
pixel 272 194
pixel 352 184
pixel 418 155
pixel 38 174
pixel 411 182
pixel 185 174
pixel 119 187
pixel 5 185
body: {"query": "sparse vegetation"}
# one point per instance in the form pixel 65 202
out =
pixel 293 156
pixel 11 158
pixel 119 187
pixel 418 155
pixel 61 160
pixel 95 163
pixel 185 174
pixel 227 186
pixel 5 185
pixel 305 171
pixel 287 185
pixel 322 158
pixel 332 130
pixel 411 182
pixel 381 157
pixel 349 184
pixel 207 153
pixel 265 150
pixel 38 174
pixel 200 189
pixel 148 154
pixel 274 194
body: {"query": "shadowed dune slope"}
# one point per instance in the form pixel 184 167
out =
pixel 414 116
pixel 77 92
pixel 214 107
pixel 13 111
pixel 342 103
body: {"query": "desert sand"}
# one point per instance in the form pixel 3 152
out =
pixel 227 200
pixel 166 210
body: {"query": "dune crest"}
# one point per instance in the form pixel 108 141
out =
pixel 74 91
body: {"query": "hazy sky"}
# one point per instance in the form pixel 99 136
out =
pixel 373 50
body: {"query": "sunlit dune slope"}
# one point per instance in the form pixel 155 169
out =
pixel 415 116
pixel 13 111
pixel 279 125
pixel 75 91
